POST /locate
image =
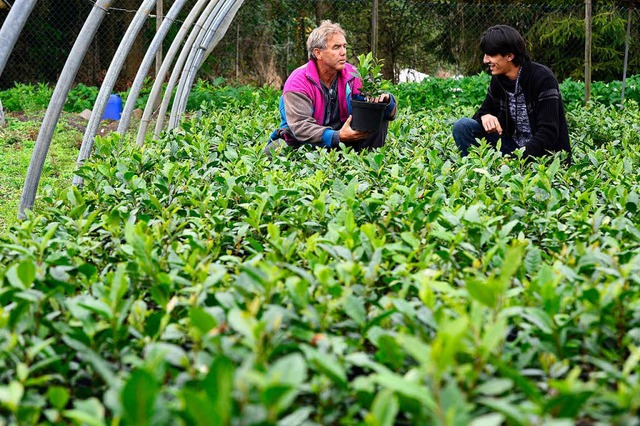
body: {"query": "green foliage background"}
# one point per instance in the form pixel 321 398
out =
pixel 400 286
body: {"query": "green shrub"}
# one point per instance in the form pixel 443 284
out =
pixel 26 97
pixel 81 97
pixel 400 286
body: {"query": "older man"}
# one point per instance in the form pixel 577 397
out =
pixel 315 106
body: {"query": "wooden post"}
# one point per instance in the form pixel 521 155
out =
pixel 626 53
pixel 587 51
pixel 374 29
pixel 237 51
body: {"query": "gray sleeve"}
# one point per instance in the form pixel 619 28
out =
pixel 299 112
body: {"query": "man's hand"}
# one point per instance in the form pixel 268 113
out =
pixel 347 134
pixel 491 124
pixel 384 98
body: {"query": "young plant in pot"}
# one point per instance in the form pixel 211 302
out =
pixel 367 114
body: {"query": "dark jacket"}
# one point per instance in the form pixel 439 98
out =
pixel 544 107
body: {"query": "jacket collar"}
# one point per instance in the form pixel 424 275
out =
pixel 344 75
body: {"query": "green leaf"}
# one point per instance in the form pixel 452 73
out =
pixel 138 397
pixel 89 411
pixel 495 387
pixel 405 387
pixel 218 384
pixel 326 364
pixel 448 342
pixel 58 396
pixel 539 318
pixel 298 417
pixel 198 408
pixel 291 369
pixel 202 320
pixel 244 323
pixel 119 285
pixel 11 395
pixel 483 293
pixel 493 335
pixel 390 352
pixel 513 413
pixel 385 408
pixel 533 260
pixel 493 419
pixel 161 294
pixel 100 365
pixel 354 307
pixel 22 274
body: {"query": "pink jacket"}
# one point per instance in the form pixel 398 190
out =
pixel 304 86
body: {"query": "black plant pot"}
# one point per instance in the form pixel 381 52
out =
pixel 367 116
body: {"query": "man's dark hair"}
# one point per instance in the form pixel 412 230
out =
pixel 503 39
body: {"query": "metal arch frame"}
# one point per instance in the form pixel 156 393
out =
pixel 216 26
pixel 179 65
pixel 12 27
pixel 9 33
pixel 109 81
pixel 189 55
pixel 200 53
pixel 149 57
pixel 156 90
pixel 58 99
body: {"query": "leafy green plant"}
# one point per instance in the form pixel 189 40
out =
pixel 369 71
pixel 26 97
pixel 81 97
pixel 404 285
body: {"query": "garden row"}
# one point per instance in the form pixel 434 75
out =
pixel 196 281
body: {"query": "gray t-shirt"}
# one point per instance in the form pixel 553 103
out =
pixel 331 108
pixel 518 112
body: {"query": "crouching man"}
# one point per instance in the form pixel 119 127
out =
pixel 315 106
pixel 523 106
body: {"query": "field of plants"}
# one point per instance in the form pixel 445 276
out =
pixel 195 281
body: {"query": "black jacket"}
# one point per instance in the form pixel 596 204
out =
pixel 544 107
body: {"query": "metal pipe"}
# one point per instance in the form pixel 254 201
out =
pixel 57 102
pixel 159 19
pixel 217 30
pixel 109 81
pixel 198 46
pixel 12 27
pixel 177 68
pixel 156 90
pixel 143 71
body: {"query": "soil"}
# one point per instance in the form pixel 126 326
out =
pixel 69 120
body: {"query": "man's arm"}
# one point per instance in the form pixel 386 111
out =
pixel 299 112
pixel 487 114
pixel 547 119
pixel 491 103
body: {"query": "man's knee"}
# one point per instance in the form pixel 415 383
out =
pixel 464 125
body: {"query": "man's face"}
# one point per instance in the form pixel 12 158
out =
pixel 499 64
pixel 335 55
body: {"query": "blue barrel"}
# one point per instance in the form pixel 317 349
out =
pixel 113 109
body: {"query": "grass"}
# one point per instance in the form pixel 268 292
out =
pixel 17 141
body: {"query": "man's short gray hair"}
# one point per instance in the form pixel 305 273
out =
pixel 320 36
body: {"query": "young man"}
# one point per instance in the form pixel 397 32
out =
pixel 315 106
pixel 523 106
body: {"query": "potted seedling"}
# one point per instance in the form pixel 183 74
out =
pixel 367 115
